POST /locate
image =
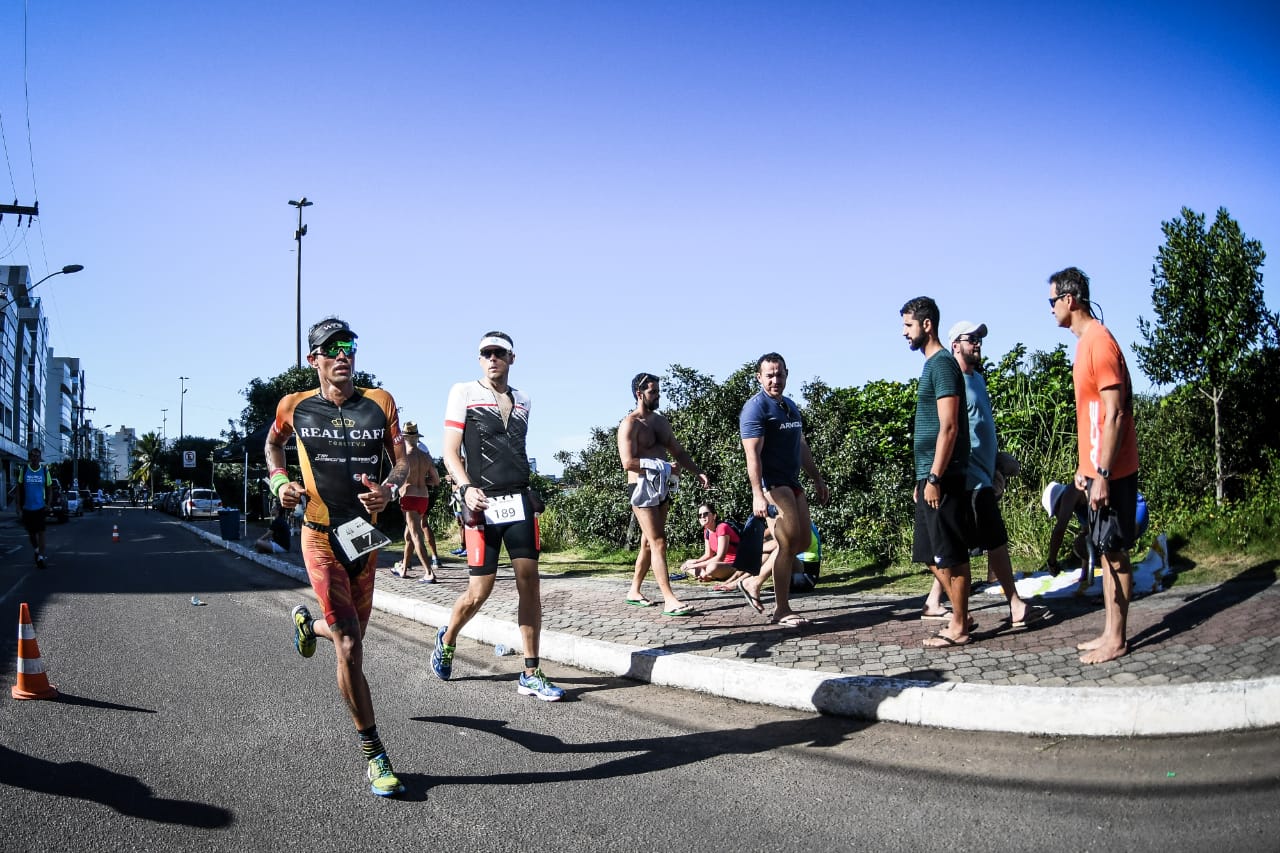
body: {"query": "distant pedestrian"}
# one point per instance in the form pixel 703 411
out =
pixel 1107 469
pixel 35 488
pixel 943 523
pixel 415 501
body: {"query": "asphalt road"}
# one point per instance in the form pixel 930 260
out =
pixel 188 727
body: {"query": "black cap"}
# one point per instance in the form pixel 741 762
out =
pixel 326 330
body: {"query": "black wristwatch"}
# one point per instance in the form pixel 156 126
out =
pixel 932 479
pixel 1104 473
pixel 462 491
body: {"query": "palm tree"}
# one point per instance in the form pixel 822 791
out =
pixel 146 460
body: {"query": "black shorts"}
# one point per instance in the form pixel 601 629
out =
pixel 942 535
pixel 522 538
pixel 1121 514
pixel 989 532
pixel 34 520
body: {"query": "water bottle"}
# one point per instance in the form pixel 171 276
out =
pixel 502 650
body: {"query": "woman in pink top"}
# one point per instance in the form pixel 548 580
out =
pixel 716 562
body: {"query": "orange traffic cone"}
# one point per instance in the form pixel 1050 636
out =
pixel 32 681
pixel 115 533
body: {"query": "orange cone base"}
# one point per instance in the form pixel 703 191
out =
pixel 49 692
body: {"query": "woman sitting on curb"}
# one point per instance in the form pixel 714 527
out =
pixel 721 546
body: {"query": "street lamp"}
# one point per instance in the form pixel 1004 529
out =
pixel 67 270
pixel 298 235
pixel 164 420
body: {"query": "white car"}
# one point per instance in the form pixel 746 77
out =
pixel 200 503
pixel 75 506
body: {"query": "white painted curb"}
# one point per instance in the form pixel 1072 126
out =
pixel 1085 711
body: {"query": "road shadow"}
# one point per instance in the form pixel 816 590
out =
pixel 124 794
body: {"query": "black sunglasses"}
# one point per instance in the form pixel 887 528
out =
pixel 493 353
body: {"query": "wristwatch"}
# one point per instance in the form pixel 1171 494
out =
pixel 1104 473
pixel 932 479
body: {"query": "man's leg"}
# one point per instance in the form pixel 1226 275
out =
pixel 349 648
pixel 467 605
pixel 1117 590
pixel 653 524
pixel 933 602
pixel 1002 567
pixel 643 559
pixel 791 531
pixel 414 542
pixel 529 611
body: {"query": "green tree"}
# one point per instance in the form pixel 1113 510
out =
pixel 148 460
pixel 1211 313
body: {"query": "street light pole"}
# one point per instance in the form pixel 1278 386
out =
pixel 67 270
pixel 164 420
pixel 182 409
pixel 298 235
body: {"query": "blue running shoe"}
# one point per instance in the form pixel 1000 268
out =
pixel 538 685
pixel 304 636
pixel 442 657
pixel 382 779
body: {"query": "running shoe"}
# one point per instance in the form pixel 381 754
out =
pixel 382 779
pixel 304 636
pixel 40 562
pixel 442 657
pixel 435 563
pixel 538 685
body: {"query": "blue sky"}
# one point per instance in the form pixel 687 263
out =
pixel 621 186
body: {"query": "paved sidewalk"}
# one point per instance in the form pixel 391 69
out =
pixel 1201 659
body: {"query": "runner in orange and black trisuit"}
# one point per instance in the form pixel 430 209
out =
pixel 343 432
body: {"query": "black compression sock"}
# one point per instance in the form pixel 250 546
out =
pixel 370 743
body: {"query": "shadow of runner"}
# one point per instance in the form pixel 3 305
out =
pixel 651 755
pixel 1202 606
pixel 124 794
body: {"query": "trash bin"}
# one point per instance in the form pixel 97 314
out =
pixel 229 519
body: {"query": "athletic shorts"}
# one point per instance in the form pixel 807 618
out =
pixel 942 535
pixel 415 503
pixel 989 532
pixel 34 519
pixel 342 597
pixel 523 540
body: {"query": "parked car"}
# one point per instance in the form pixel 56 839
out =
pixel 172 500
pixel 87 501
pixel 201 503
pixel 75 506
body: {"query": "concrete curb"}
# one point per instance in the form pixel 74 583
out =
pixel 1082 711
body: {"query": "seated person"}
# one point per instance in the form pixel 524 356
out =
pixel 721 546
pixel 277 539
pixel 805 576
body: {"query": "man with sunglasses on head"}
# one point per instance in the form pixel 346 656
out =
pixel 486 422
pixel 343 433
pixel 1107 471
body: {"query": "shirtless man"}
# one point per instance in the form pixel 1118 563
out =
pixel 644 440
pixel 415 502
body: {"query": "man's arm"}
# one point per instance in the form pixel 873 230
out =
pixel 626 445
pixel 472 496
pixel 677 451
pixel 752 448
pixel 290 493
pixel 948 429
pixel 1108 443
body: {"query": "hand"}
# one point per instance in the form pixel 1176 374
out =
pixel 822 493
pixel 291 494
pixel 1099 493
pixel 759 506
pixel 475 499
pixel 378 496
pixel 1081 481
pixel 704 480
pixel 932 495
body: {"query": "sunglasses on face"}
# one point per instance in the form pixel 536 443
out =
pixel 493 353
pixel 703 514
pixel 1053 300
pixel 336 348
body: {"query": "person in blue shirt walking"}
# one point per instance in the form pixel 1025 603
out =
pixel 33 501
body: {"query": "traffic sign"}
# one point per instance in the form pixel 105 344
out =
pixel 188 459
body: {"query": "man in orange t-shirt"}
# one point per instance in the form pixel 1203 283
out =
pixel 1107 470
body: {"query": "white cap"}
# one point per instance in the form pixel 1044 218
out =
pixel 966 327
pixel 1049 500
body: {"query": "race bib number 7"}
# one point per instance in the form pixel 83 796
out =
pixel 505 509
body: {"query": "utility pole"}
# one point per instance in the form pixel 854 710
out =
pixel 77 425
pixel 298 235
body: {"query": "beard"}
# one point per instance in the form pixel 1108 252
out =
pixel 917 343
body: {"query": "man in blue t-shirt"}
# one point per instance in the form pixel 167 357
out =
pixel 773 439
pixel 33 501
pixel 943 523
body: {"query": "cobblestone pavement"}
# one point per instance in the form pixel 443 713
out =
pixel 1182 635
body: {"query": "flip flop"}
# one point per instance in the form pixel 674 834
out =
pixel 639 602
pixel 752 601
pixel 942 641
pixel 944 616
pixel 1031 617
pixel 427 579
pixel 791 620
pixel 682 610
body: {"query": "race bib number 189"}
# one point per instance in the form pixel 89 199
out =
pixel 505 509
